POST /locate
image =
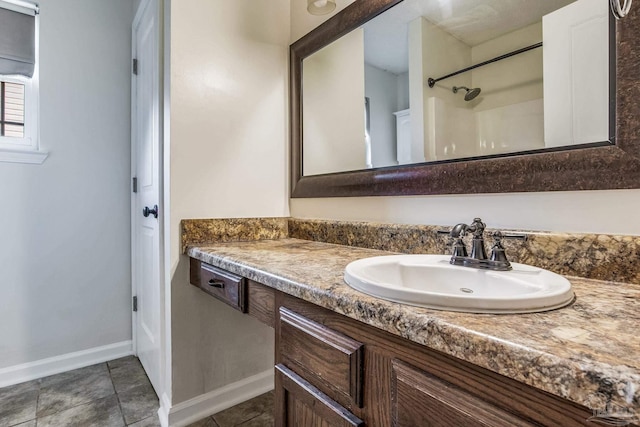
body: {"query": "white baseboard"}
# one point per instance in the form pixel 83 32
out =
pixel 63 363
pixel 202 406
pixel 163 412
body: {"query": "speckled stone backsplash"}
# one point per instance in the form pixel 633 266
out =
pixel 593 256
pixel 198 231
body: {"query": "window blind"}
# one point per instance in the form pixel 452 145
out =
pixel 17 41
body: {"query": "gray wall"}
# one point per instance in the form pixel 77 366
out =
pixel 64 225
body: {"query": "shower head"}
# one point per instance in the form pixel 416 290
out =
pixel 471 93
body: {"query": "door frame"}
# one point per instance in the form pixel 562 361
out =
pixel 164 315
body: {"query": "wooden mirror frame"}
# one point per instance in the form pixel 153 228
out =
pixel 592 168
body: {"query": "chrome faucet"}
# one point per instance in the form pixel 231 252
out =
pixel 478 258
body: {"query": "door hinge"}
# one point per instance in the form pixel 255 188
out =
pixel 134 184
pixel 135 66
pixel 135 303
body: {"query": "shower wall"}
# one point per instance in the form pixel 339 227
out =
pixel 507 116
pixel 512 80
pixel 509 113
pixel 436 112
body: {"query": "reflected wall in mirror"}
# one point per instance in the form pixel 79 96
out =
pixel 527 76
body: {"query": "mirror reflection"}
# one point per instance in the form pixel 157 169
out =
pixel 434 80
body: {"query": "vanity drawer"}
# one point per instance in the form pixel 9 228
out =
pixel 330 360
pixel 223 285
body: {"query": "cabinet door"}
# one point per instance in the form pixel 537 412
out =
pixel 420 399
pixel 299 404
pixel 328 359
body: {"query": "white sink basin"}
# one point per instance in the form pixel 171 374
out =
pixel 430 281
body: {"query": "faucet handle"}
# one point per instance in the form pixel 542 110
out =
pixel 497 250
pixel 498 236
pixel 477 228
pixel 459 249
pixel 498 253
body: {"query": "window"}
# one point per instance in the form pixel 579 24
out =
pixel 19 83
pixel 12 109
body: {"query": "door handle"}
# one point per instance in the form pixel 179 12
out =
pixel 146 211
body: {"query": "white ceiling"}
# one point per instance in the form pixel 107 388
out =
pixel 470 21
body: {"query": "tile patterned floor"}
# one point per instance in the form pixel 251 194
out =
pixel 257 412
pixel 112 394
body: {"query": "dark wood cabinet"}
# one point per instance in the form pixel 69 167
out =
pixel 261 301
pixel 328 359
pixel 332 370
pixel 407 384
pixel 300 404
pixel 421 399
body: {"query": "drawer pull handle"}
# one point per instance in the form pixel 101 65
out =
pixel 216 283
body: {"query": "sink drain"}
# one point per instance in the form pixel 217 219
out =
pixel 466 290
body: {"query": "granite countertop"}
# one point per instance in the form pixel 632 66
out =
pixel 588 352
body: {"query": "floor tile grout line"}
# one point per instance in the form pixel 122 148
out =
pixel 252 418
pixel 215 423
pixel 124 420
pixel 38 401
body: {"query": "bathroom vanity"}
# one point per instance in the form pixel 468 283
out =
pixel 346 359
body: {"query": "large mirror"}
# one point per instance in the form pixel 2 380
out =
pixel 442 80
pixel 441 96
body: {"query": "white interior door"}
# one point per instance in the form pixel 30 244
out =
pixel 146 200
